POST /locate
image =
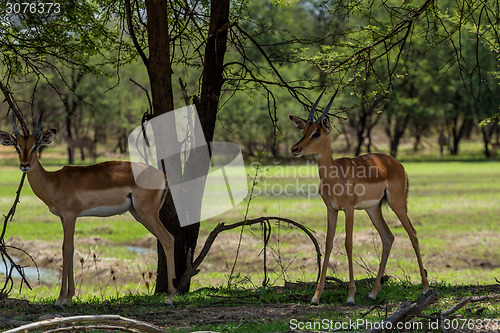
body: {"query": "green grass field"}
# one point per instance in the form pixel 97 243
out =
pixel 454 205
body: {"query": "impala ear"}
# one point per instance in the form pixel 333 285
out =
pixel 299 122
pixel 46 137
pixel 325 123
pixel 7 139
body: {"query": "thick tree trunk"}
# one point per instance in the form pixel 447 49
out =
pixel 213 66
pixel 160 75
pixel 207 106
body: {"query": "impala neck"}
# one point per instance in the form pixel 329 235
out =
pixel 325 161
pixel 38 178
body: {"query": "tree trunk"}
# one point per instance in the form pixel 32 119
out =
pixel 486 142
pixel 457 133
pixel 359 144
pixel 417 143
pixel 68 129
pixel 160 75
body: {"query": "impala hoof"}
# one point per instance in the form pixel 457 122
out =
pixel 314 304
pixel 169 301
pixel 351 303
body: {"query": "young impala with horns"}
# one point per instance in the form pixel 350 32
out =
pixel 363 182
pixel 103 189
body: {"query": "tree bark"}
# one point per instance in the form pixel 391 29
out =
pixel 70 135
pixel 207 106
pixel 486 142
pixel 213 66
pixel 160 75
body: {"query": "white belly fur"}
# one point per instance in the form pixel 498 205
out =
pixel 104 211
pixel 367 204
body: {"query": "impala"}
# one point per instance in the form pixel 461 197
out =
pixel 103 189
pixel 81 143
pixel 363 182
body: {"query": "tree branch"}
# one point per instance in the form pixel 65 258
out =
pixel 12 105
pixel 128 14
pixel 193 269
pixel 118 322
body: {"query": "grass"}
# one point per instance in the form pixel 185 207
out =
pixel 452 204
pixel 268 309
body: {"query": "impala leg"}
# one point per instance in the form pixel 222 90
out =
pixel 330 233
pixel 387 238
pixel 152 222
pixel 67 284
pixel 167 242
pixel 349 223
pixel 402 215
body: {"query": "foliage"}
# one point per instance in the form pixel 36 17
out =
pixel 431 62
pixel 34 42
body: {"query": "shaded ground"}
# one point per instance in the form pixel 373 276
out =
pixel 178 318
pixel 186 316
pixel 219 309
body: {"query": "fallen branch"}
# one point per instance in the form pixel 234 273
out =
pixel 467 300
pixel 407 310
pixel 86 328
pixel 103 321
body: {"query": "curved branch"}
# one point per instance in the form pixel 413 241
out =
pixel 130 325
pixel 193 269
pixel 128 14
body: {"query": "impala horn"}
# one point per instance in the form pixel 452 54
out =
pixel 36 131
pixel 325 112
pixel 16 130
pixel 311 114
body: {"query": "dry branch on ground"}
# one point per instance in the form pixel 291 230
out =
pixel 103 322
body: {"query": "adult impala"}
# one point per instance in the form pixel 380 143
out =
pixel 103 189
pixel 363 182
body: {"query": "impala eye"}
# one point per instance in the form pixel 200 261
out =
pixel 315 134
pixel 33 148
pixel 18 150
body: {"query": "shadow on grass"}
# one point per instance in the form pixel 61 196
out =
pixel 271 309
